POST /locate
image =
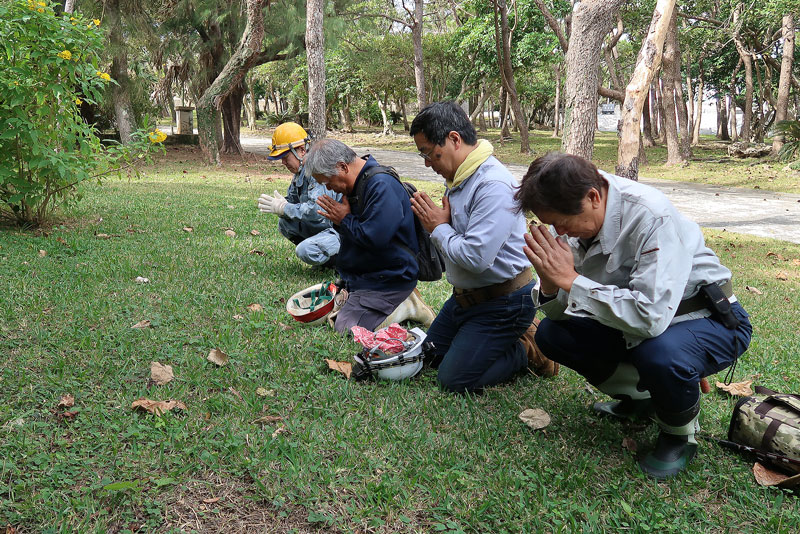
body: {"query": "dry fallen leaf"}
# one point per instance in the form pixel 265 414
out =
pixel 268 419
pixel 264 392
pixel 256 252
pixel 255 232
pixel 629 444
pixel 235 392
pixel 737 389
pixel 161 374
pixel 280 430
pixel 238 317
pixel 157 407
pixel 346 368
pixel 754 290
pixel 796 261
pixel 766 476
pixel 62 241
pixel 782 275
pixel 536 418
pixel 144 323
pixel 188 229
pixel 142 280
pixel 230 233
pixel 102 236
pixel 42 253
pixel 285 326
pixel 211 501
pixel 67 401
pixel 255 307
pixel 218 357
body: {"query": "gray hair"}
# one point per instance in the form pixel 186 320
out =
pixel 325 155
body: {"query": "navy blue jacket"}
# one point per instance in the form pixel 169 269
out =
pixel 369 257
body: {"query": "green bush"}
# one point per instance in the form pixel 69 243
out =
pixel 50 64
pixel 790 130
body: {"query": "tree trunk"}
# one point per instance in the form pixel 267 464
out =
pixel 402 107
pixel 669 105
pixel 477 112
pixel 758 125
pixel 655 115
pixel 591 21
pixel 416 38
pixel 232 74
pixel 69 6
pixel 672 43
pixel 747 61
pixel 231 108
pixel 698 114
pixel 785 81
pixel 689 89
pixel 387 126
pixel 638 88
pixel 251 107
pixel 647 127
pixel 732 116
pixel 315 54
pixel 557 112
pixel 123 109
pixel 722 117
pixel 503 122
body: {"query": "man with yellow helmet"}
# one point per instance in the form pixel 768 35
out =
pixel 317 243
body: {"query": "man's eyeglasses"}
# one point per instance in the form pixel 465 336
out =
pixel 427 156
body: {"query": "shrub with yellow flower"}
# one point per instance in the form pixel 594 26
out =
pixel 104 75
pixel 65 54
pixel 157 136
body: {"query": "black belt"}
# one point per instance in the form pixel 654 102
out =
pixel 470 297
pixel 699 302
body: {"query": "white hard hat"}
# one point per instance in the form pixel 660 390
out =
pixel 397 366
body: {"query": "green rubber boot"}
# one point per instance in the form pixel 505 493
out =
pixel 676 444
pixel 631 403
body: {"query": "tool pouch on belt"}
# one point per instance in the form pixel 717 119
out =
pixel 769 422
pixel 719 305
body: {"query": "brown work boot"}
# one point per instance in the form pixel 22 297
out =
pixel 537 361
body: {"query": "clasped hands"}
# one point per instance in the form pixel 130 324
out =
pixel 428 213
pixel 272 204
pixel 332 210
pixel 552 259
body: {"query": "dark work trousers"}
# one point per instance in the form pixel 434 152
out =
pixel 479 345
pixel 670 365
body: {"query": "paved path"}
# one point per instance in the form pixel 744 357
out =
pixel 761 213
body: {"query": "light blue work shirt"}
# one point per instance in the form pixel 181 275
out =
pixel 483 243
pixel 645 260
pixel 302 200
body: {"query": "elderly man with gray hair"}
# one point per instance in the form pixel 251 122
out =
pixel 376 229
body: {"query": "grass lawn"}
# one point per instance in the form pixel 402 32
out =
pixel 343 456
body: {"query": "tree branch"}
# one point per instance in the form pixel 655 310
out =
pixel 553 23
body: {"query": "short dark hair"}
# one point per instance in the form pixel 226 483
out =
pixel 558 182
pixel 437 120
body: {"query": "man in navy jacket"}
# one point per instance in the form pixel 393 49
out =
pixel 376 232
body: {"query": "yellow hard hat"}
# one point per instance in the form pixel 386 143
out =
pixel 287 136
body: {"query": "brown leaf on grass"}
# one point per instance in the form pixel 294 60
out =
pixel 157 407
pixel 144 323
pixel 285 327
pixel 188 229
pixel 796 261
pixel 62 241
pixel 67 401
pixel 536 418
pixel 66 416
pixel 782 275
pixel 102 236
pixel 754 290
pixel 268 419
pixel 211 501
pixel 255 232
pixel 257 252
pixel 235 392
pixel 255 307
pixel 737 389
pixel 280 430
pixel 42 253
pixel 161 374
pixel 238 317
pixel 629 444
pixel 218 357
pixel 264 392
pixel 346 368
pixel 766 476
pixel 230 233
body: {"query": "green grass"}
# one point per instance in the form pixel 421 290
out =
pixel 366 457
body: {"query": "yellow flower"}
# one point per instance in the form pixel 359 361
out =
pixel 104 75
pixel 157 136
pixel 96 22
pixel 41 4
pixel 66 54
pixel 72 18
pixel 40 10
pixel 78 101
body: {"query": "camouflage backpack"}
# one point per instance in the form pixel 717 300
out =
pixel 769 422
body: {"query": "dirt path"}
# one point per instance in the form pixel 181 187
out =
pixel 761 213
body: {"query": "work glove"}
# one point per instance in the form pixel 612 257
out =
pixel 272 204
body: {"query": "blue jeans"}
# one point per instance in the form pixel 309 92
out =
pixel 315 244
pixel 670 365
pixel 480 345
